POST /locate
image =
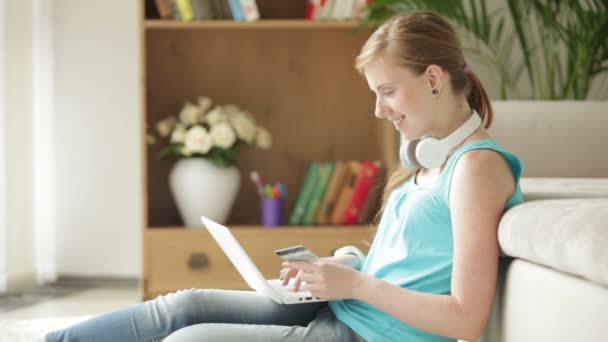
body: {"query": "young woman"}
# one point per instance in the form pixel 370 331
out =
pixel 430 274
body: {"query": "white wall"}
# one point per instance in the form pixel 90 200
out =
pixel 97 138
pixel 18 237
pixel 3 149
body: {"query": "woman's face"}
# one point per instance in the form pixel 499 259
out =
pixel 401 97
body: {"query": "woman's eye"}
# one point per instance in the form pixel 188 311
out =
pixel 388 91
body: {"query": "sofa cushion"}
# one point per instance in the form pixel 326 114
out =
pixel 535 188
pixel 570 235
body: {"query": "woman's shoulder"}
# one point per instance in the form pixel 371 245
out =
pixel 485 169
pixel 482 161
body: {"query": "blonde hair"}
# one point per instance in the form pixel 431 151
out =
pixel 415 41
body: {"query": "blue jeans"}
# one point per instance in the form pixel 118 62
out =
pixel 211 315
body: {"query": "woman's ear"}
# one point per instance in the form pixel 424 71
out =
pixel 435 76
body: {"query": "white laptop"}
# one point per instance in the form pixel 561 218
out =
pixel 273 288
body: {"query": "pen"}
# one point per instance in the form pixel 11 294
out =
pixel 268 190
pixel 282 189
pixel 275 192
pixel 255 178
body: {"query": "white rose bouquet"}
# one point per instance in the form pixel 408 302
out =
pixel 213 132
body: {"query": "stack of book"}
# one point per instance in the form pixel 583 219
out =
pixel 189 10
pixel 335 9
pixel 247 10
pixel 339 193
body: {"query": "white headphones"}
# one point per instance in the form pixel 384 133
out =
pixel 430 152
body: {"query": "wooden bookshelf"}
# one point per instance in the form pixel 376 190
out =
pixel 297 79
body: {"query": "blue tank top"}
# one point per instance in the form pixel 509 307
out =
pixel 413 249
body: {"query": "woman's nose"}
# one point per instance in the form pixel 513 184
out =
pixel 381 110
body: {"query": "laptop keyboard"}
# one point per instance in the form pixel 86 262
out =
pixel 288 290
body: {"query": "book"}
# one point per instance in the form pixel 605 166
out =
pixel 372 202
pixel 338 12
pixel 202 9
pixel 360 191
pixel 312 6
pixel 221 9
pixel 304 195
pixel 236 10
pixel 175 11
pixel 343 200
pixel 185 10
pixel 250 10
pixel 164 8
pixel 335 184
pixel 324 175
pixel 324 12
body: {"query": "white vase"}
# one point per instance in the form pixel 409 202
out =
pixel 201 188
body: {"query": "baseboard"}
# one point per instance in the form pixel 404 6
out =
pixel 96 281
pixel 21 282
pixel 3 283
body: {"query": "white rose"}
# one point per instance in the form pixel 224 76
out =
pixel 198 140
pixel 204 103
pixel 263 138
pixel 216 115
pixel 165 126
pixel 243 125
pixel 223 135
pixel 190 114
pixel 179 134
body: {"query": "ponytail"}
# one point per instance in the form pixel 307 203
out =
pixel 478 99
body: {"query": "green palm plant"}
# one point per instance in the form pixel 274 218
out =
pixel 564 43
pixel 547 27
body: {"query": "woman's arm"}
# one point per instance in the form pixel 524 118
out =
pixel 481 184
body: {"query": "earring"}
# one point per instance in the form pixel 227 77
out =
pixel 435 91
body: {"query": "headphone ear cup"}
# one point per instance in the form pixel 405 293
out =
pixel 430 153
pixel 407 154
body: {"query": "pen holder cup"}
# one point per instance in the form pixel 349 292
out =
pixel 272 211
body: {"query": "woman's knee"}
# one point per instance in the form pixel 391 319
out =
pixel 184 306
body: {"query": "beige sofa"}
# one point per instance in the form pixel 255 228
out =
pixel 553 282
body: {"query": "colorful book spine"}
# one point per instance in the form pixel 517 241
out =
pixel 372 202
pixel 202 9
pixel 346 192
pixel 323 177
pixel 250 10
pixel 164 8
pixel 361 189
pixel 336 183
pixel 185 10
pixel 312 6
pixel 297 212
pixel 237 11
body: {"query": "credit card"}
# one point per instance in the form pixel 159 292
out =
pixel 296 253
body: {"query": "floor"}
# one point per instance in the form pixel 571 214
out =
pixel 61 300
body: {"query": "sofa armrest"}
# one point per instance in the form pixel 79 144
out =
pixel 569 235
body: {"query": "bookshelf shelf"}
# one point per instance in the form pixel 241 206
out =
pixel 269 24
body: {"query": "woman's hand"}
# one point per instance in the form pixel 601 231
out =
pixel 324 278
pixel 287 273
